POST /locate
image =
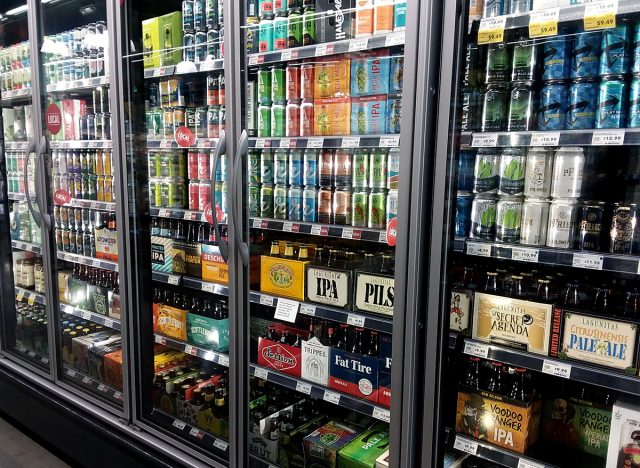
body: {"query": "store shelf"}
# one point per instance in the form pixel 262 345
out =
pixel 575 371
pixel 90 261
pixel 198 284
pixel 496 454
pixel 190 432
pixel 167 278
pixel 83 380
pixel 87 315
pixel 614 137
pixel 257 462
pixel 15 94
pixel 197 351
pixel 188 67
pixel 177 213
pixel 16 196
pixel 92 204
pixel 26 246
pixel 328 48
pixel 80 144
pixel 16 145
pixel 549 256
pixel 320 392
pixel 78 85
pixel 200 143
pixel 31 297
pixel 322 230
pixel 365 141
pixel 32 355
pixel 356 318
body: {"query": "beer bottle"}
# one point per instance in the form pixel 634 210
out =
pixel 515 287
pixel 298 342
pixel 358 346
pixel 517 391
pixel 192 235
pixel 303 253
pixel 601 299
pixel 330 335
pixel 181 233
pixel 373 344
pixel 472 379
pixel 284 338
pixel 504 279
pixel 387 266
pixel 468 278
pixel 495 378
pixel 631 304
pixel 527 282
pixel 197 403
pixel 319 256
pixel 288 251
pixel 203 233
pixel 491 286
pixel 333 261
pixel 274 434
pixel 572 295
pixel 543 292
pixel 220 406
pixel 311 330
pixel 275 249
pixel 257 417
pixel 367 263
pixel 341 340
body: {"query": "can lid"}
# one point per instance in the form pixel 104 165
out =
pixel 555 82
pixel 537 200
pixel 617 77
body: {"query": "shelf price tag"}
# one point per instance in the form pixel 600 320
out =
pixel 316 230
pixel 160 340
pixel 481 250
pixel 86 315
pixel 287 310
pixel 287 226
pixel 476 349
pixel 382 414
pixel 315 142
pixel 191 350
pixel 286 55
pixel 285 143
pixel 331 397
pixel 261 373
pixel 108 323
pixel 544 23
pixel 355 320
pixel 20 296
pixel 253 60
pixel 600 15
pixel 103 388
pixel 545 139
pixel 466 445
pixel 350 142
pixel 522 463
pixel 524 255
pixel 389 142
pixel 208 287
pixel 393 39
pixel 260 143
pixel 220 445
pixel 491 30
pixel 484 140
pixel 303 387
pixel 559 369
pixel 358 44
pixel 590 262
pixel 308 309
pixel 86 380
pixel 179 424
pixel 223 360
pixel 610 138
pixel 117 395
pixel 71 373
pixel 321 50
pixel 256 223
pixel 32 299
pixel 347 233
pixel 172 279
pixel 32 354
pixel 266 300
pixel 197 433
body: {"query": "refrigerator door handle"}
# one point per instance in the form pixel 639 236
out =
pixel 236 201
pixel 41 197
pixel 34 213
pixel 221 147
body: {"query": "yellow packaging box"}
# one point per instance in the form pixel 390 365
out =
pixel 170 36
pixel 332 77
pixel 151 42
pixel 332 116
pixel 214 268
pixel 282 277
pixel 172 322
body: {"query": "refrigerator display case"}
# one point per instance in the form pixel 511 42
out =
pixel 536 322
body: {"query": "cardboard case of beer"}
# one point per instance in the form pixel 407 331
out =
pixel 172 322
pixel 171 36
pixel 460 309
pixel 365 449
pixel 113 369
pixel 96 359
pixel 106 244
pixel 207 332
pixel 501 421
pixel 282 277
pixel 334 20
pixel 370 73
pixel 280 356
pixel 151 42
pixel 624 446
pixel 332 77
pixel 603 341
pixel 72 110
pixel 162 254
pixel 329 286
pixel 511 322
pixel 321 447
pixel 315 361
pixel 214 268
pixel 355 374
pixel 332 116
pixel 260 444
pixel 81 345
pixel 374 293
pixel 369 115
pixel 384 370
pixel 383 460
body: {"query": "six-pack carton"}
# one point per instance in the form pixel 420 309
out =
pixel 365 449
pixel 624 437
pixel 321 447
pixel 355 374
pixel 279 356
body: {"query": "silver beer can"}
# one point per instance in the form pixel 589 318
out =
pixel 535 216
pixel 563 215
pixel 538 173
pixel 508 219
pixel 483 218
pixel 568 169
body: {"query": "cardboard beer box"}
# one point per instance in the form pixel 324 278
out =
pixel 106 244
pixel 383 460
pixel 321 447
pixel 329 286
pixel 374 293
pixel 207 332
pixel 355 374
pixel 64 278
pixel 172 322
pixel 96 359
pixel 603 341
pixel 332 116
pixel 113 369
pixel 280 356
pixel 282 277
pixel 577 424
pixel 170 38
pixel 369 115
pixel 370 73
pixel 151 42
pixel 214 268
pixel 259 442
pixel 334 20
pixel 365 449
pixel 192 259
pixel 511 322
pixel 460 311
pixel 162 254
pixel 624 440
pixel 82 344
pixel 384 370
pixel 331 78
pixel 292 446
pixel 315 361
pixel 163 358
pixel 501 421
pixel 72 110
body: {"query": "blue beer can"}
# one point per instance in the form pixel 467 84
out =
pixel 463 213
pixel 295 167
pixel 400 16
pixel 519 6
pixel 394 113
pixel 310 165
pixel 612 103
pixel 634 103
pixel 493 8
pixel 396 73
pixel 294 203
pixel 583 97
pixel 553 106
pixel 556 61
pixel 636 49
pixel 309 212
pixel 466 160
pixel 585 55
pixel 615 52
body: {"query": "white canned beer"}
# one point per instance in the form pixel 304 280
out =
pixel 535 216
pixel 538 173
pixel 568 169
pixel 562 223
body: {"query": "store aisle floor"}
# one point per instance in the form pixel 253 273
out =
pixel 17 450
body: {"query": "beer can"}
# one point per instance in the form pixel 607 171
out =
pixel 294 203
pixel 483 217
pixel 612 102
pixel 187 15
pixel 265 35
pixel 494 108
pixel 466 161
pixel 292 119
pixel 254 200
pixel 394 113
pixel 221 169
pixel 194 194
pixel 556 62
pixel 585 54
pixel 307 115
pixel 513 162
pixel 524 61
pixel 396 73
pixel 204 167
pixel 278 118
pixel 538 173
pixel 521 108
pixel 309 26
pixel 553 106
pixel 254 167
pixel 376 214
pixel 294 31
pixel 392 206
pixel 634 102
pixel 266 166
pixel 562 222
pixel 486 171
pixel 295 167
pixel 493 8
pixel 590 225
pixel 635 66
pixel 568 170
pixel 325 167
pixel 252 34
pixel 359 207
pixel 535 217
pixel 280 202
pixel 624 229
pixel 192 165
pixel 310 177
pixel 265 8
pixel 200 45
pixel 100 188
pixel 508 219
pixel 280 31
pixel 266 201
pixel 393 168
pixel 200 118
pixel 498 66
pixel 378 169
pixel 615 55
pixel 583 99
pixel 309 198
pixel 213 122
pixel 281 166
pixel 264 121
pixel 278 84
pixel 211 13
pixel 324 205
pixel 307 73
pixel 264 86
pixel 342 168
pixel 342 206
pixel 293 78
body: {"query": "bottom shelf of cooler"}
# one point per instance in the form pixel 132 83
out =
pixel 95 386
pixel 322 393
pixel 32 355
pixel 257 462
pixel 496 454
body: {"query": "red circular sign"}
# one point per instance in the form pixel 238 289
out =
pixel 208 214
pixel 184 137
pixel 54 119
pixel 392 231
pixel 61 197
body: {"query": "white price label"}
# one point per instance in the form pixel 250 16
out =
pixel 315 230
pixel 44 360
pixel 86 315
pixel 195 432
pixel 256 223
pixel 389 142
pixel 223 360
pixel 286 310
pixel 484 140
pixel 350 142
pixel 286 55
pixel 253 60
pixel 556 368
pixel 522 463
pixel 347 233
pixel 355 320
pixel 95 263
pixel 382 414
pixel 207 65
pixel 32 354
pixel 163 213
pixel 260 143
pixel 103 388
pixel 179 424
pixel 209 356
pixel 117 396
pixel 303 387
pixel 86 380
pixel 476 349
pixel 491 29
pixel 160 339
pixel 524 255
pixel 71 373
pixel 261 373
pixel 308 309
pixel 285 143
pixel 191 350
pixel 315 142
pixel 545 139
pixel 266 300
pixel 600 15
pixel 609 138
pixel 393 39
pixel 220 445
pixel 358 44
pixel 321 50
pixel 590 262
pixel 466 445
pixel 481 250
pixel 287 226
pixel 108 323
pixel 208 287
pixel 172 279
pixel 331 397
pixel 383 237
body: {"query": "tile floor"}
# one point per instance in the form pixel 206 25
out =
pixel 19 451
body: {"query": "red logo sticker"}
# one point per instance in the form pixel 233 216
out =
pixel 207 214
pixel 61 197
pixel 392 231
pixel 184 137
pixel 279 357
pixel 54 119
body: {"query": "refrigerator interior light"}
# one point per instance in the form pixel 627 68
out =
pixel 88 10
pixel 17 10
pixel 186 67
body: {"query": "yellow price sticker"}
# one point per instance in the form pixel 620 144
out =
pixel 544 23
pixel 20 296
pixel 600 15
pixel 491 30
pixel 31 300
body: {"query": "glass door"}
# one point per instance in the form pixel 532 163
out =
pixel 25 320
pixel 79 172
pixel 540 311
pixel 175 108
pixel 320 158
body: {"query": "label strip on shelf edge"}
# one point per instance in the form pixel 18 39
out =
pixel 26 246
pixel 92 316
pixel 88 381
pixel 194 350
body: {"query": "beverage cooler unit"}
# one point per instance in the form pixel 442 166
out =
pixel 538 154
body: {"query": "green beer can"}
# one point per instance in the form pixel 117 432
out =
pixel 309 26
pixel 254 200
pixel 254 167
pixel 264 86
pixel 377 209
pixel 378 169
pixel 277 120
pixel 266 201
pixel 278 84
pixel 360 169
pixel 264 121
pixel 295 28
pixel 359 209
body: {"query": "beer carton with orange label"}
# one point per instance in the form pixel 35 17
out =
pixel 214 268
pixel 172 322
pixel 113 369
pixel 332 77
pixel 332 116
